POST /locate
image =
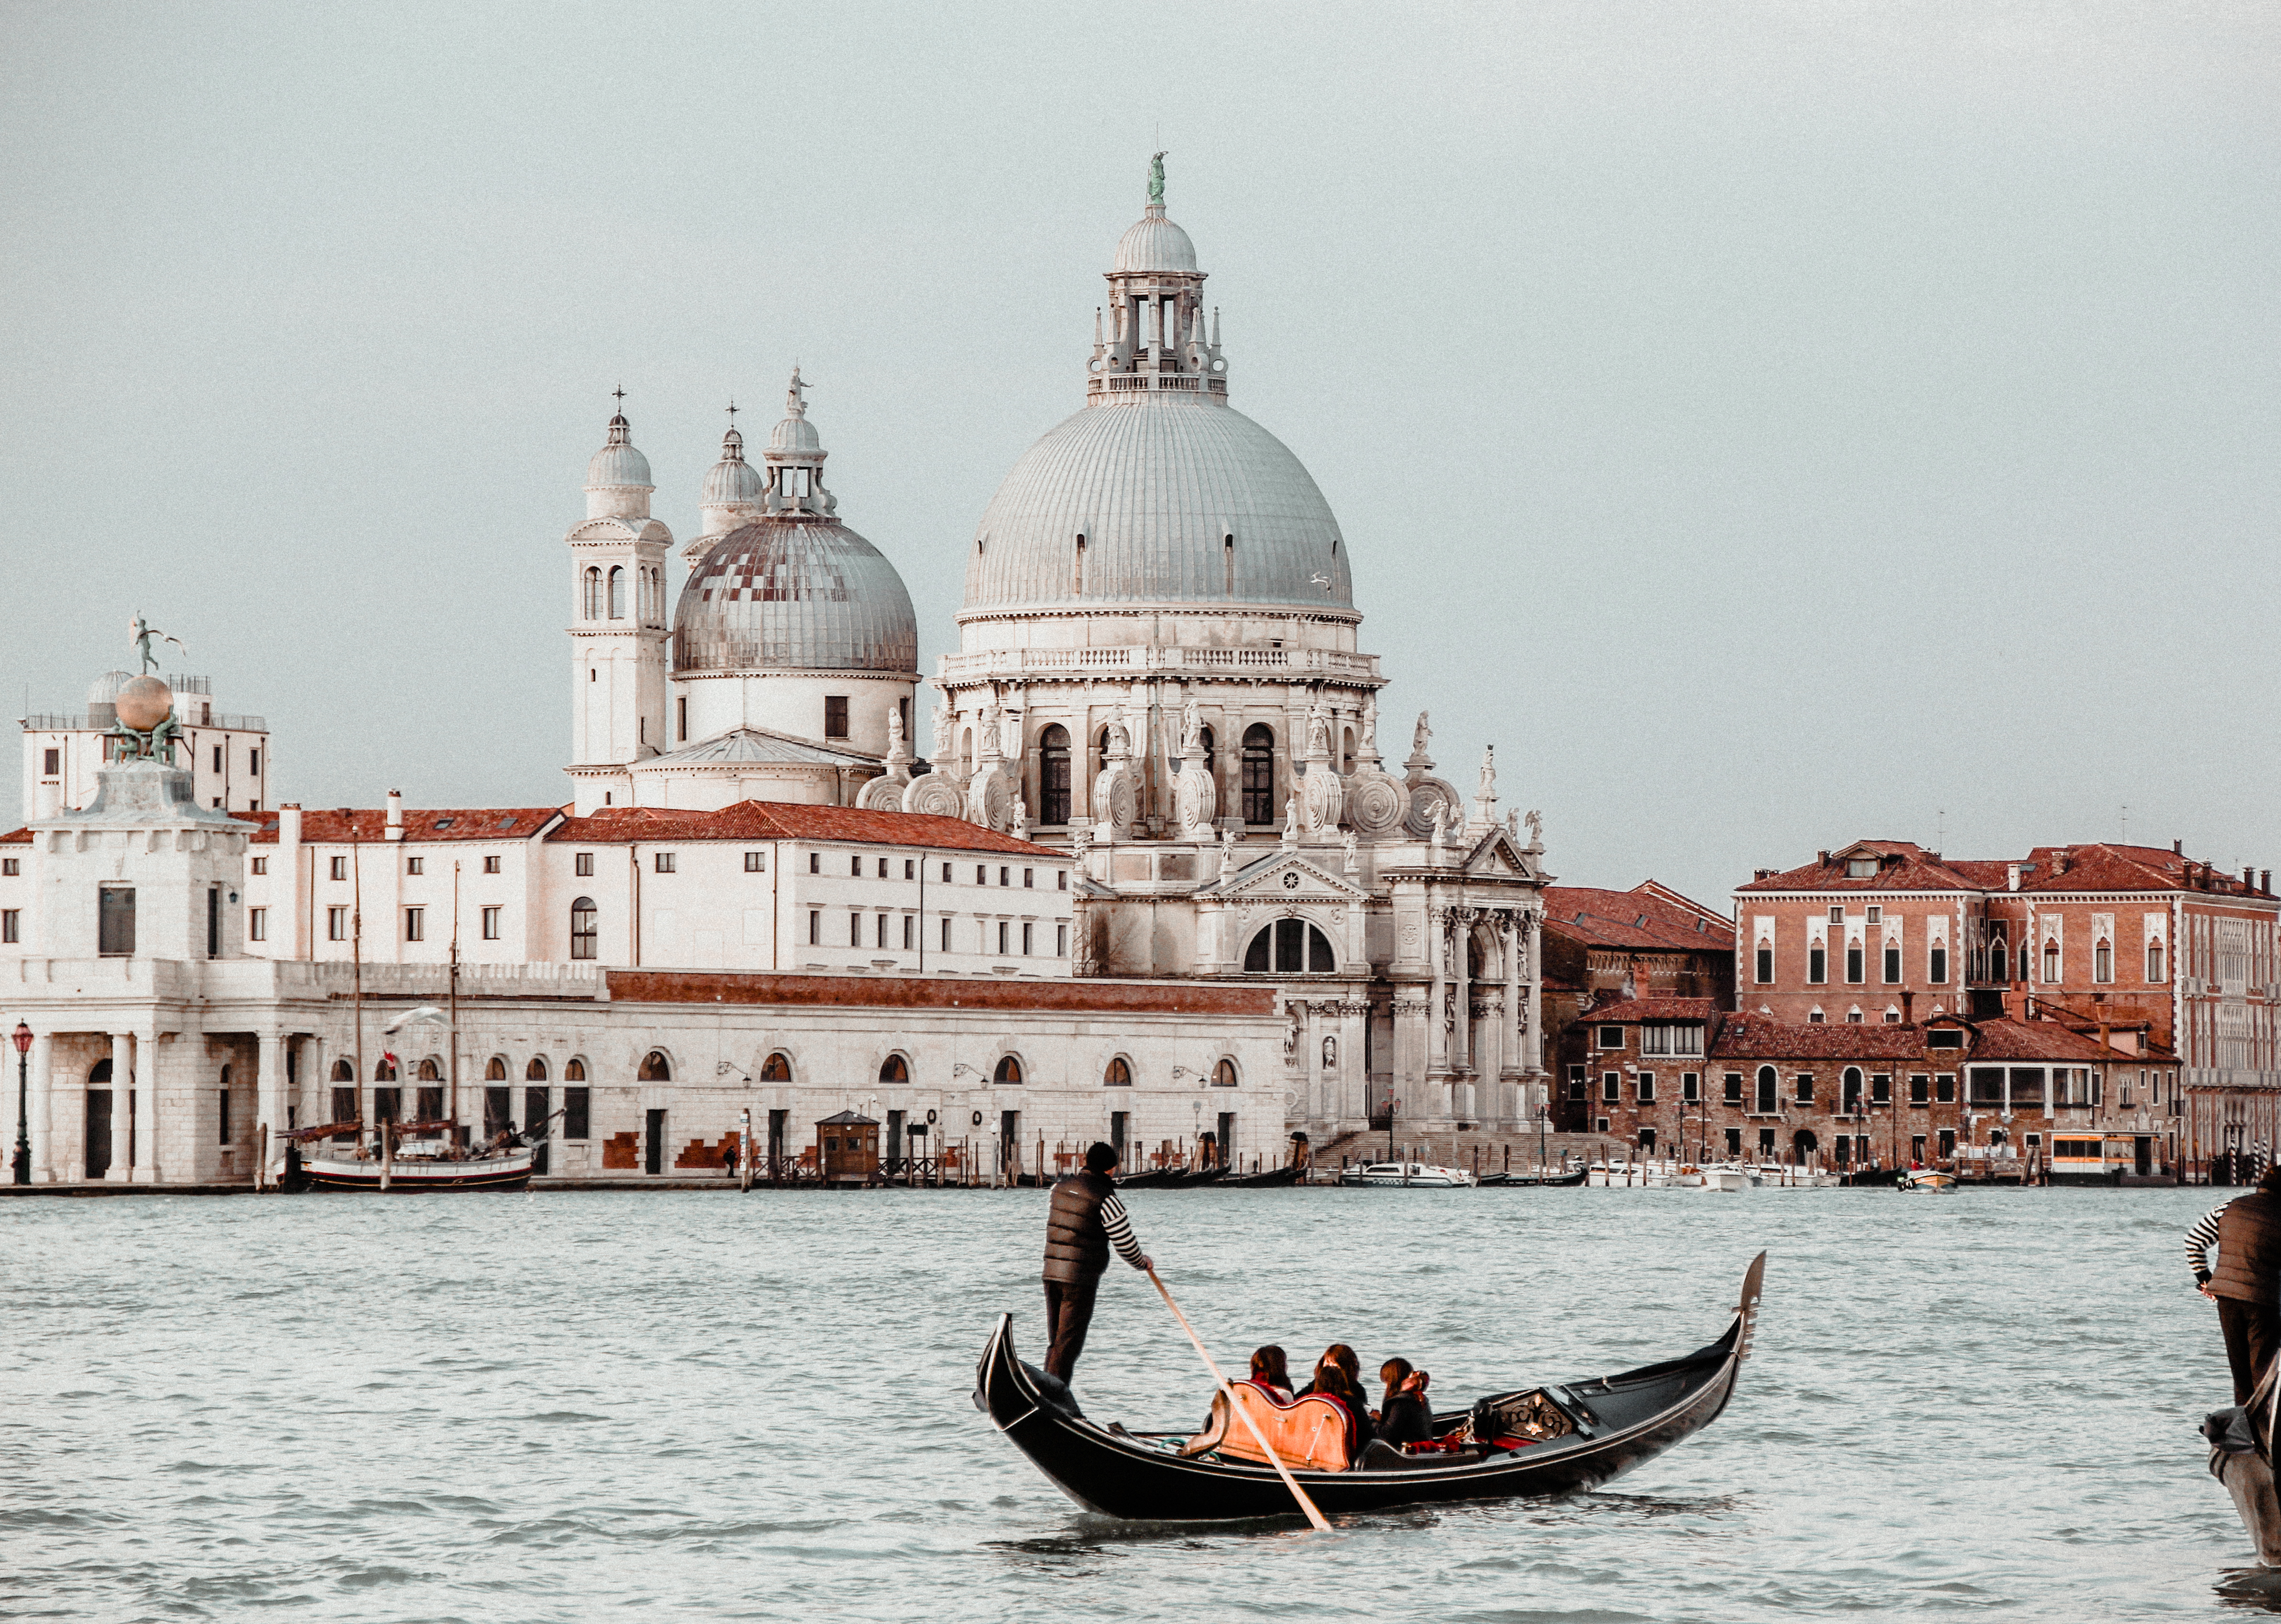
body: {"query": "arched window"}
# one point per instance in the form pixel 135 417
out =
pixel 384 1070
pixel 1290 947
pixel 536 1071
pixel 1212 754
pixel 1769 1084
pixel 1223 1074
pixel 655 1068
pixel 2000 958
pixel 1009 1070
pixel 966 750
pixel 2155 959
pixel 1851 1089
pixel 590 602
pixel 1259 774
pixel 1118 1075
pixel 1346 752
pixel 2025 964
pixel 1054 774
pixel 892 1070
pixel 341 1072
pixel 776 1069
pixel 430 1072
pixel 2051 963
pixel 1077 569
pixel 496 1071
pixel 582 928
pixel 573 1071
pixel 617 593
pixel 2102 961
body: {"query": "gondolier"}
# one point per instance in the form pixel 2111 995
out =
pixel 1085 1221
pixel 2247 1283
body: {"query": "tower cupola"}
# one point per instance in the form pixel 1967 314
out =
pixel 1152 338
pixel 795 455
pixel 733 490
pixel 618 484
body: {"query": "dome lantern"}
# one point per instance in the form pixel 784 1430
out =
pixel 1154 339
pixel 733 490
pixel 618 482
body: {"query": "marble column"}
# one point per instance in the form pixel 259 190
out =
pixel 1436 1034
pixel 1461 942
pixel 147 1168
pixel 124 1146
pixel 43 1107
pixel 1514 1043
pixel 274 1097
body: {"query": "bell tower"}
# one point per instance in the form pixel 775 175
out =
pixel 618 628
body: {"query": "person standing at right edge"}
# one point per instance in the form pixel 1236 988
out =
pixel 1085 1220
pixel 2247 1283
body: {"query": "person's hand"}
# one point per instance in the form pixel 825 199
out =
pixel 1147 1265
pixel 2204 1288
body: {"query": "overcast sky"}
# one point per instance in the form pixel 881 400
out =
pixel 1768 424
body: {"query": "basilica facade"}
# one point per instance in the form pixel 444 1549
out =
pixel 1151 809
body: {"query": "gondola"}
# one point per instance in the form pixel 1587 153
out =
pixel 1272 1178
pixel 1611 1424
pixel 1537 1181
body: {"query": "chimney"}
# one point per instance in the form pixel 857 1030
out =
pixel 1762 874
pixel 2249 879
pixel 289 830
pixel 2178 848
pixel 1908 1009
pixel 395 831
pixel 2265 881
pixel 2063 859
pixel 2103 1042
pixel 1825 858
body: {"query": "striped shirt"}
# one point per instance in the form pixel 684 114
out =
pixel 1119 1223
pixel 2200 1238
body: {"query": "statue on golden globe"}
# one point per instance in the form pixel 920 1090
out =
pixel 146 728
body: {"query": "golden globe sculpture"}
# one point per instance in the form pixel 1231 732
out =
pixel 144 703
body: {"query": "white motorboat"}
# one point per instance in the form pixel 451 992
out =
pixel 1731 1177
pixel 1409 1175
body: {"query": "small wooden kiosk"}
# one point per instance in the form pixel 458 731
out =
pixel 848 1145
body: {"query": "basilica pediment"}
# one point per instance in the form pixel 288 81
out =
pixel 1498 857
pixel 1284 877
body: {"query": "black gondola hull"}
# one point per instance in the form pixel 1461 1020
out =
pixel 1633 1417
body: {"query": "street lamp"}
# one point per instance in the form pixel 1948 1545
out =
pixel 22 1163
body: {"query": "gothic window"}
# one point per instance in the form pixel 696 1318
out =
pixel 2051 963
pixel 2102 961
pixel 655 1068
pixel 1851 1087
pixel 617 593
pixel 1223 1074
pixel 1009 1070
pixel 1764 970
pixel 1892 963
pixel 1936 964
pixel 1119 1075
pixel 1290 947
pixel 2000 959
pixel 1259 774
pixel 2155 959
pixel 1767 1086
pixel 1853 967
pixel 895 1070
pixel 776 1069
pixel 1817 963
pixel 589 603
pixel 2025 965
pixel 1054 774
pixel 582 928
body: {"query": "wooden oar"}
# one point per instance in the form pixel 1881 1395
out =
pixel 1292 1483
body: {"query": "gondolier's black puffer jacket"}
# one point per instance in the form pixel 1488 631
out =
pixel 1077 1244
pixel 2248 1248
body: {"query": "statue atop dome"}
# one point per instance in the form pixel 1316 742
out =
pixel 140 632
pixel 1156 181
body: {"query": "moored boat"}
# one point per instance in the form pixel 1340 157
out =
pixel 426 1157
pixel 1408 1175
pixel 1578 1436
pixel 1538 1180
pixel 1925 1179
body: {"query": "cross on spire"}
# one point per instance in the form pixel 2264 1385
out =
pixel 732 414
pixel 621 393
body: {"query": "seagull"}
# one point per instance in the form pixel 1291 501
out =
pixel 422 1013
pixel 1322 581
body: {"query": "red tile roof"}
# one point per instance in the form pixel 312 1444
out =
pixel 17 837
pixel 2038 1041
pixel 2104 866
pixel 1627 1010
pixel 330 826
pixel 1904 866
pixel 1754 1037
pixel 1103 996
pixel 1644 919
pixel 784 820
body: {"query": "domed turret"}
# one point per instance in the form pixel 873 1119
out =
pixel 733 491
pixel 618 483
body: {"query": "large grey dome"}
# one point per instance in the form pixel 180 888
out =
pixel 804 594
pixel 1156 487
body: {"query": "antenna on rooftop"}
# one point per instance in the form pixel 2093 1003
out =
pixel 2126 822
pixel 1940 831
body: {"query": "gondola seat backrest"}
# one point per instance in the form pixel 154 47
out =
pixel 1308 1433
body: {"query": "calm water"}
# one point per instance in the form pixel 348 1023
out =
pixel 676 1405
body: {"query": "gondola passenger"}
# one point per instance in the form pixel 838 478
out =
pixel 1270 1374
pixel 1404 1418
pixel 1335 1379
pixel 1390 1377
